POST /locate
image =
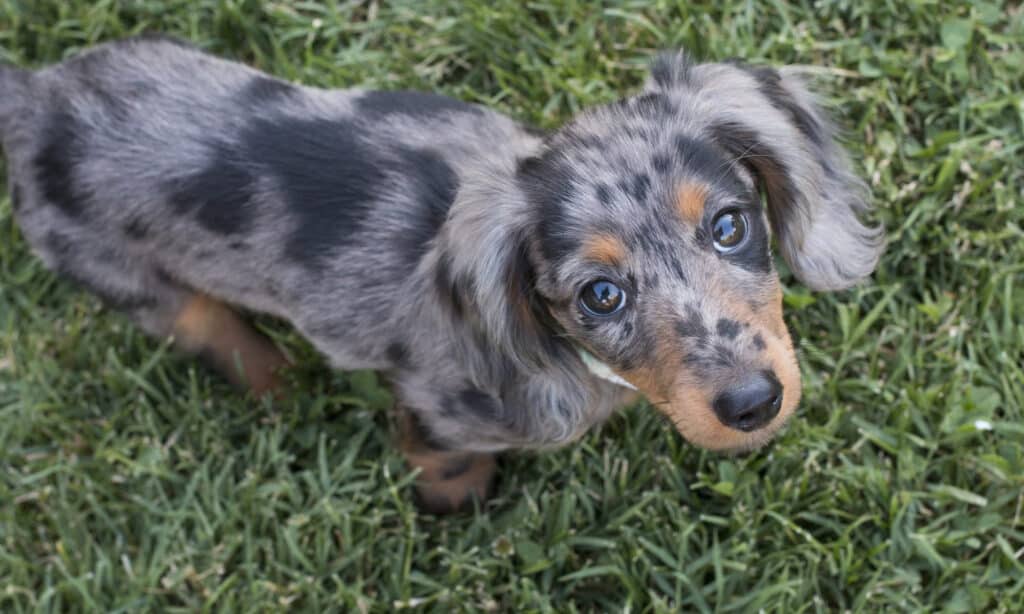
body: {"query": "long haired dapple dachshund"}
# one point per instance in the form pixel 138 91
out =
pixel 517 287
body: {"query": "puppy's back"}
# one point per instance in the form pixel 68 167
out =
pixel 315 205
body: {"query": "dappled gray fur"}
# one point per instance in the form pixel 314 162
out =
pixel 814 199
pixel 434 239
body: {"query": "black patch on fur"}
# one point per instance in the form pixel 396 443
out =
pixel 472 402
pixel 416 104
pixel 604 194
pixel 164 277
pixel 701 236
pixel 646 237
pixel 136 228
pixel 640 186
pixel 758 342
pixel 15 197
pixel 398 354
pixel 769 83
pixel 55 162
pixel 676 264
pixel 702 158
pixel 727 328
pixel 548 182
pixel 330 181
pixel 692 325
pixel 328 177
pixel 714 358
pixel 435 185
pixel 722 357
pixel 671 69
pixel 219 196
pixel 238 246
pixel 635 346
pixel 652 105
pixel 262 90
pixel 661 162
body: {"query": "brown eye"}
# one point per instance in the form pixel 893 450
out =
pixel 728 231
pixel 602 298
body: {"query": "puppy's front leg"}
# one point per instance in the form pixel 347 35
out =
pixel 212 330
pixel 448 480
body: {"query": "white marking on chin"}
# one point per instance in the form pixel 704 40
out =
pixel 602 370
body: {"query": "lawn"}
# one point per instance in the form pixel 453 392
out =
pixel 132 479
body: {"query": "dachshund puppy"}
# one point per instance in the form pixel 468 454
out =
pixel 515 286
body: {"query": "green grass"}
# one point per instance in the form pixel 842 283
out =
pixel 131 479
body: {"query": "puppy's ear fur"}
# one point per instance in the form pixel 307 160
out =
pixel 485 252
pixel 768 121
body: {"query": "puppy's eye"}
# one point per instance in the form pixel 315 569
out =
pixel 602 298
pixel 728 230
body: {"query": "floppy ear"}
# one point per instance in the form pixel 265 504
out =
pixel 768 121
pixel 484 267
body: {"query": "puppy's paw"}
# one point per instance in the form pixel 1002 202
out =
pixel 449 482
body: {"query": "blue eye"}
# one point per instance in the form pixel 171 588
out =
pixel 728 230
pixel 602 298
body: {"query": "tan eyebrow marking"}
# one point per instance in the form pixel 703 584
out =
pixel 690 202
pixel 604 248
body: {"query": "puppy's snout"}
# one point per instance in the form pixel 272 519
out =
pixel 750 405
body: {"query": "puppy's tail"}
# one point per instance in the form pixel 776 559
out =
pixel 13 95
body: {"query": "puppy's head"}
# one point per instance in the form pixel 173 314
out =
pixel 647 241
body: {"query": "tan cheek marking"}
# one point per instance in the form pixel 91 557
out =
pixel 688 405
pixel 690 202
pixel 693 417
pixel 604 248
pixel 649 378
pixel 772 318
pixel 246 358
pixel 783 363
pixel 645 381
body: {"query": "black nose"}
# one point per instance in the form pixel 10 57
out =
pixel 750 405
